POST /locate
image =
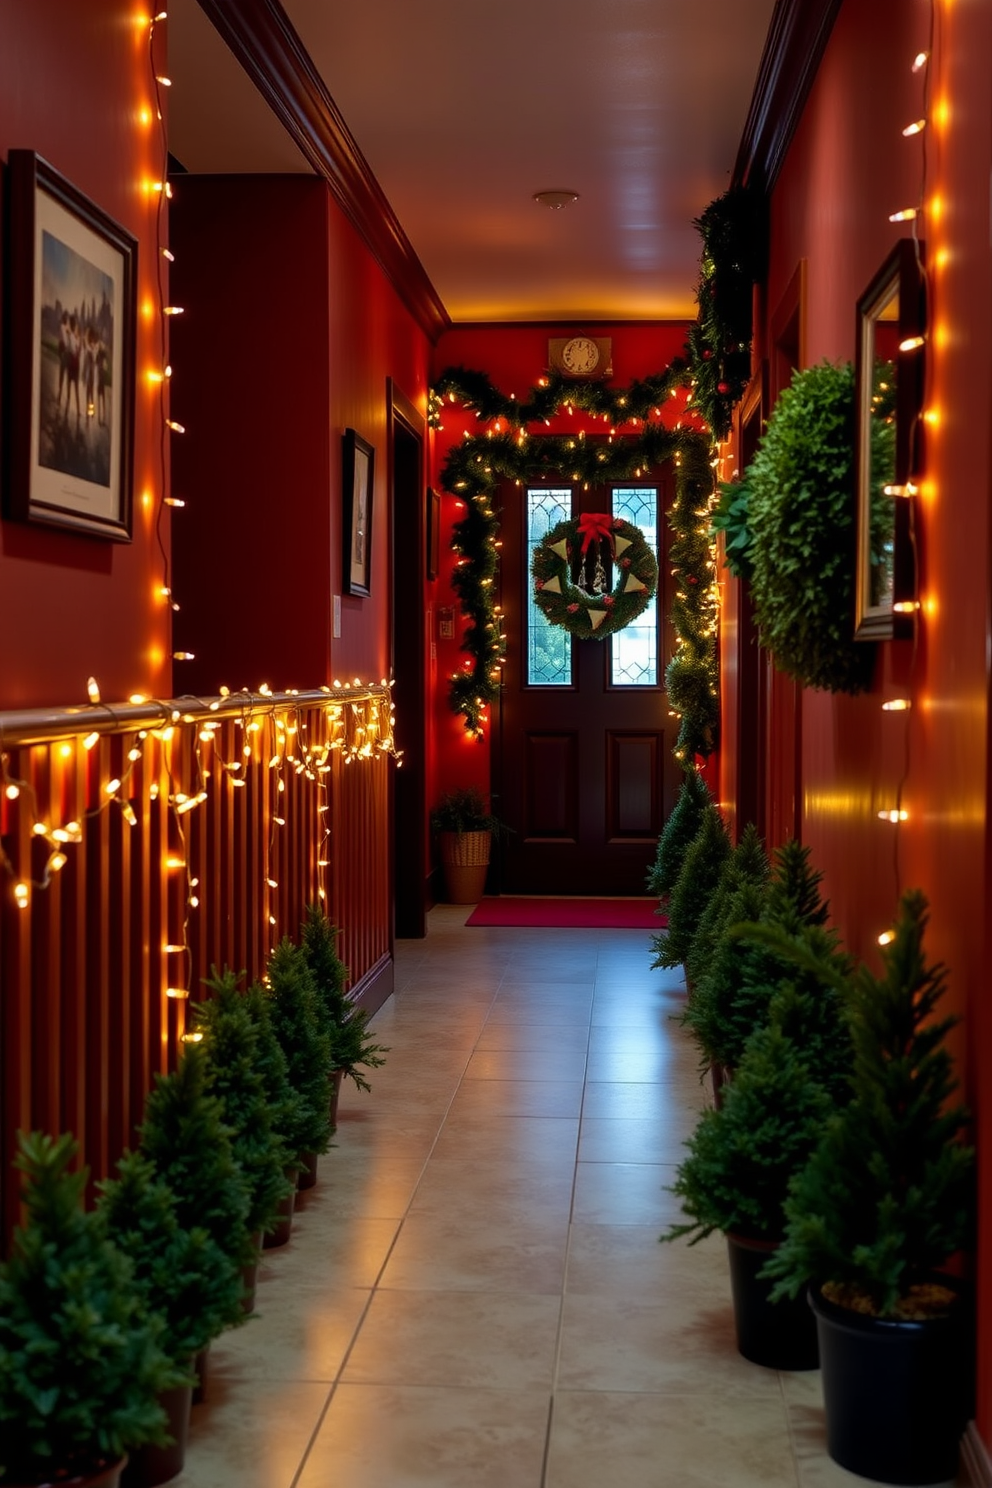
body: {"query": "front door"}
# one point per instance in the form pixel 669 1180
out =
pixel 583 770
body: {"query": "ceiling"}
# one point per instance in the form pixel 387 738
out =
pixel 464 108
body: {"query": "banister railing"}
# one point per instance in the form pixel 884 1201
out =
pixel 144 842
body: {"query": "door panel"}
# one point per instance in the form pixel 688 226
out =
pixel 583 770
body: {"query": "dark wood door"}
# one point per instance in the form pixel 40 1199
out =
pixel 583 770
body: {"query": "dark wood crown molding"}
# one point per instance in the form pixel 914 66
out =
pixel 262 38
pixel 797 38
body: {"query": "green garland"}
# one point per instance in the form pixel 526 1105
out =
pixel 473 470
pixel 593 616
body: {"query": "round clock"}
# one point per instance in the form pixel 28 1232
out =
pixel 580 355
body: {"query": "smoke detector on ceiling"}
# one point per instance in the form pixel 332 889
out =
pixel 555 200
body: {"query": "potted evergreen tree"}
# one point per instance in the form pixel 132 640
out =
pixel 81 1361
pixel 353 1047
pixel 465 829
pixel 743 1155
pixel 284 1105
pixel 700 873
pixel 678 833
pixel 182 1277
pixel 296 1022
pixel 885 1202
pixel 230 1044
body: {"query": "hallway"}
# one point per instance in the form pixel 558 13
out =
pixel 474 1295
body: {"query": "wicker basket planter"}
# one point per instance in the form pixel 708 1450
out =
pixel 465 860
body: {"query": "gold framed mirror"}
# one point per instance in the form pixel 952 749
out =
pixel 888 395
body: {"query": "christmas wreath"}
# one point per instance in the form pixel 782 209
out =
pixel 571 574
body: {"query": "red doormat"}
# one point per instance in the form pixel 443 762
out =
pixel 553 914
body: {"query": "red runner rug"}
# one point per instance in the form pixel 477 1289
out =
pixel 553 914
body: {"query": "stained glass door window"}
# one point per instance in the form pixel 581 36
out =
pixel 549 647
pixel 634 650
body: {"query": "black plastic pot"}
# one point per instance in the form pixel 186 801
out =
pixel 283 1227
pixel 308 1172
pixel 200 1368
pixel 101 1477
pixel 779 1335
pixel 896 1394
pixel 149 1466
pixel 334 1082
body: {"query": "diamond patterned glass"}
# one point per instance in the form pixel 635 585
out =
pixel 549 648
pixel 634 650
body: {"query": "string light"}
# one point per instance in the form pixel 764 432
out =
pixel 896 705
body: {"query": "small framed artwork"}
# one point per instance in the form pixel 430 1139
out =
pixel 359 471
pixel 71 307
pixel 433 533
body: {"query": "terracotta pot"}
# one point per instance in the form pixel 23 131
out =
pixel 308 1172
pixel 465 860
pixel 149 1466
pixel 779 1335
pixel 284 1217
pixel 334 1080
pixel 249 1275
pixel 102 1477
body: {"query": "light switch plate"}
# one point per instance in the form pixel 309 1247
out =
pixel 336 617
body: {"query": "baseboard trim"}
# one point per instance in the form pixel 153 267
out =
pixel 975 1458
pixel 375 986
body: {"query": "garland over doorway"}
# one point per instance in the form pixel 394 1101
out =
pixel 507 451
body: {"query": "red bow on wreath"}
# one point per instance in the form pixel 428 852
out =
pixel 594 526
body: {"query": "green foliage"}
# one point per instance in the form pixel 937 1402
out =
pixel 465 810
pixel 475 467
pixel 734 231
pixel 692 675
pixel 285 1105
pixel 743 1156
pixel 230 1043
pixel 678 832
pixel 730 516
pixel 888 1195
pixel 81 1365
pixel 748 863
pixel 570 605
pixel 697 881
pixel 732 998
pixel 801 512
pixel 181 1275
pixel 185 1139
pixel 352 1045
pixel 297 1023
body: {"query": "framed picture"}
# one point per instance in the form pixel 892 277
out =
pixel 71 305
pixel 433 533
pixel 359 470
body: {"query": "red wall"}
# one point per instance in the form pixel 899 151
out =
pixel 847 169
pixel 289 335
pixel 514 358
pixel 75 86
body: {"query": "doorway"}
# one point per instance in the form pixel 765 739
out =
pixel 583 770
pixel 408 558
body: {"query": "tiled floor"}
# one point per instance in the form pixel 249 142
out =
pixel 474 1295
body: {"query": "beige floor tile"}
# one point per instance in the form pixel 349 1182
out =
pixel 613 1038
pixel 394 1133
pixel 625 1193
pixel 340 1250
pixel 547 1063
pixel 369 1185
pixel 413 1436
pixel 531 1036
pixel 661 1065
pixel 537 1143
pixel 682 1343
pixel 299 1332
pixel 486 1252
pixel 469 1338
pixel 251 1435
pixel 499 1187
pixel 629 1100
pixel 636 1139
pixel 610 1260
pixel 672 1441
pixel 561 1098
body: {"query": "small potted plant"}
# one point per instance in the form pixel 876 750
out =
pixel 743 1155
pixel 284 1105
pixel 700 873
pixel 297 1024
pixel 81 1361
pixel 465 829
pixel 230 1042
pixel 678 832
pixel 182 1277
pixel 885 1202
pixel 353 1048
